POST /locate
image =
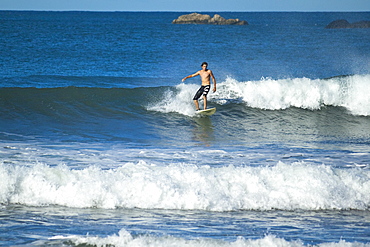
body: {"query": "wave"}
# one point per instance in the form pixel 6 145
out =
pixel 72 103
pixel 125 238
pixel 350 92
pixel 299 185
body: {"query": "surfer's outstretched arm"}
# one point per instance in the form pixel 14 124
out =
pixel 189 76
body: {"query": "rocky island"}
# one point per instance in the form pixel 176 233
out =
pixel 196 18
pixel 345 24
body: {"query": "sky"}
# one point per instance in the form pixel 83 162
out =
pixel 187 5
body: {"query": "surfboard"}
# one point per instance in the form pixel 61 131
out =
pixel 207 112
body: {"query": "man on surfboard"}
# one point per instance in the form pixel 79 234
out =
pixel 205 75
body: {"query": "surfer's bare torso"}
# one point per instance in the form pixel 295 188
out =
pixel 205 75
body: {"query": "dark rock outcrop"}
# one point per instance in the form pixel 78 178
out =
pixel 196 18
pixel 346 24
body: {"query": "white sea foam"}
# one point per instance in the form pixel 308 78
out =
pixel 350 92
pixel 183 186
pixel 124 238
pixel 179 101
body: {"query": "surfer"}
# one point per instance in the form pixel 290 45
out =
pixel 205 75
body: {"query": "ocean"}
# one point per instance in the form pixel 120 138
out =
pixel 101 145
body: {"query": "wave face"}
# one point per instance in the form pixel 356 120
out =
pixel 188 187
pixel 78 113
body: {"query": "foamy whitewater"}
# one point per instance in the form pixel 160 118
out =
pixel 100 144
pixel 189 187
pixel 124 238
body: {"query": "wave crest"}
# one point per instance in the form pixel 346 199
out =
pixel 345 91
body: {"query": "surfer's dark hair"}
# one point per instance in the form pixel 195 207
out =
pixel 204 63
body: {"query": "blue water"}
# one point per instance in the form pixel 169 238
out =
pixel 101 145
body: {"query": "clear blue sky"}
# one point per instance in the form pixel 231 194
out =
pixel 188 5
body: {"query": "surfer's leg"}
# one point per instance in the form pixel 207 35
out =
pixel 205 92
pixel 196 105
pixel 196 97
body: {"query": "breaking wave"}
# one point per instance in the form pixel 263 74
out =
pixel 188 187
pixel 350 92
